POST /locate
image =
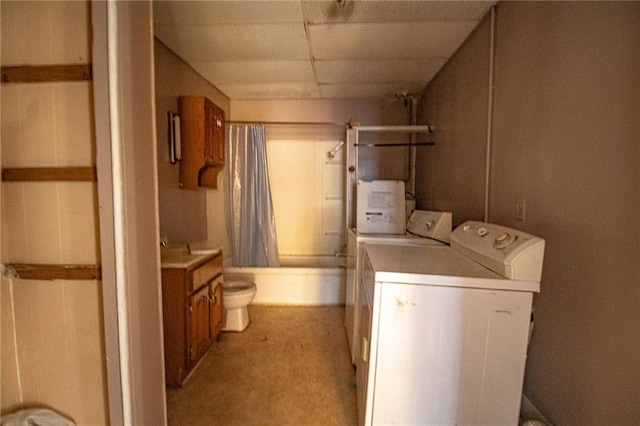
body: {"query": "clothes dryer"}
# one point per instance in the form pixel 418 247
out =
pixel 423 228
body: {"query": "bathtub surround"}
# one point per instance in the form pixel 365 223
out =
pixel 307 186
pixel 299 280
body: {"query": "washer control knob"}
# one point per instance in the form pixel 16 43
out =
pixel 482 232
pixel 465 228
pixel 503 240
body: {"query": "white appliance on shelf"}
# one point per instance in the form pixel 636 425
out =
pixel 423 228
pixel 381 207
pixel 444 330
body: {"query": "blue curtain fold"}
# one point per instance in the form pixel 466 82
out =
pixel 250 217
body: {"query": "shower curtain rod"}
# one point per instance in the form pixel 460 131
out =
pixel 291 123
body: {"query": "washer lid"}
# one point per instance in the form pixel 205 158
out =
pixel 511 253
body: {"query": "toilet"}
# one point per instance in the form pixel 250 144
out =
pixel 236 296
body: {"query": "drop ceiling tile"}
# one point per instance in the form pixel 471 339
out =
pixel 369 91
pixel 271 90
pixel 363 49
pixel 236 42
pixel 394 11
pixel 410 40
pixel 238 72
pixel 210 12
pixel 377 71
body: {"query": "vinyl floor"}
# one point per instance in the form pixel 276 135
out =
pixel 291 366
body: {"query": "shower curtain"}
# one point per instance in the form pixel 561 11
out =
pixel 251 223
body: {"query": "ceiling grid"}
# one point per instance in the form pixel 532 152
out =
pixel 316 49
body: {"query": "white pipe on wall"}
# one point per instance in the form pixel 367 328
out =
pixel 411 187
pixel 118 212
pixel 487 172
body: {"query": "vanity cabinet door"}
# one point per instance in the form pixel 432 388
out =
pixel 192 315
pixel 199 324
pixel 202 142
pixel 216 314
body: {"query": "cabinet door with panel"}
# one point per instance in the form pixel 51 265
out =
pixel 216 311
pixel 198 324
pixel 192 314
pixel 214 134
pixel 202 139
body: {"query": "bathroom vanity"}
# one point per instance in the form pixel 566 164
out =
pixel 193 312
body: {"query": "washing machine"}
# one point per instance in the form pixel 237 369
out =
pixel 423 228
pixel 444 330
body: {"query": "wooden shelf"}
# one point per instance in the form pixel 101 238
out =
pixel 31 174
pixel 46 73
pixel 30 271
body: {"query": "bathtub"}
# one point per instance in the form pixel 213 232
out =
pixel 300 280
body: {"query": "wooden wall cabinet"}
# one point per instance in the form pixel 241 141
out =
pixel 202 137
pixel 193 315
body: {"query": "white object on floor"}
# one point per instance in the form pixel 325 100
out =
pixel 35 416
pixel 533 422
pixel 236 296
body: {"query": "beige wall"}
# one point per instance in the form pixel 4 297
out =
pixel 566 126
pixel 52 340
pixel 450 176
pixel 185 214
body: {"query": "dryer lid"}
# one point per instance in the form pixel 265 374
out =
pixel 436 225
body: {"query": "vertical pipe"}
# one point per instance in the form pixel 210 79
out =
pixel 487 173
pixel 100 55
pixel 14 334
pixel 118 211
pixel 412 153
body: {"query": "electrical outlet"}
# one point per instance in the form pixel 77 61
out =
pixel 521 204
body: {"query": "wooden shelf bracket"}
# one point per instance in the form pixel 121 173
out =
pixel 31 271
pixel 31 174
pixel 46 73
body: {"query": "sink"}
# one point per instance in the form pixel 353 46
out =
pixel 184 256
pixel 178 256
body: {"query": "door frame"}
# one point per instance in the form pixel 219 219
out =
pixel 124 110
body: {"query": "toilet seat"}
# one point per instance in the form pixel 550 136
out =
pixel 238 288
